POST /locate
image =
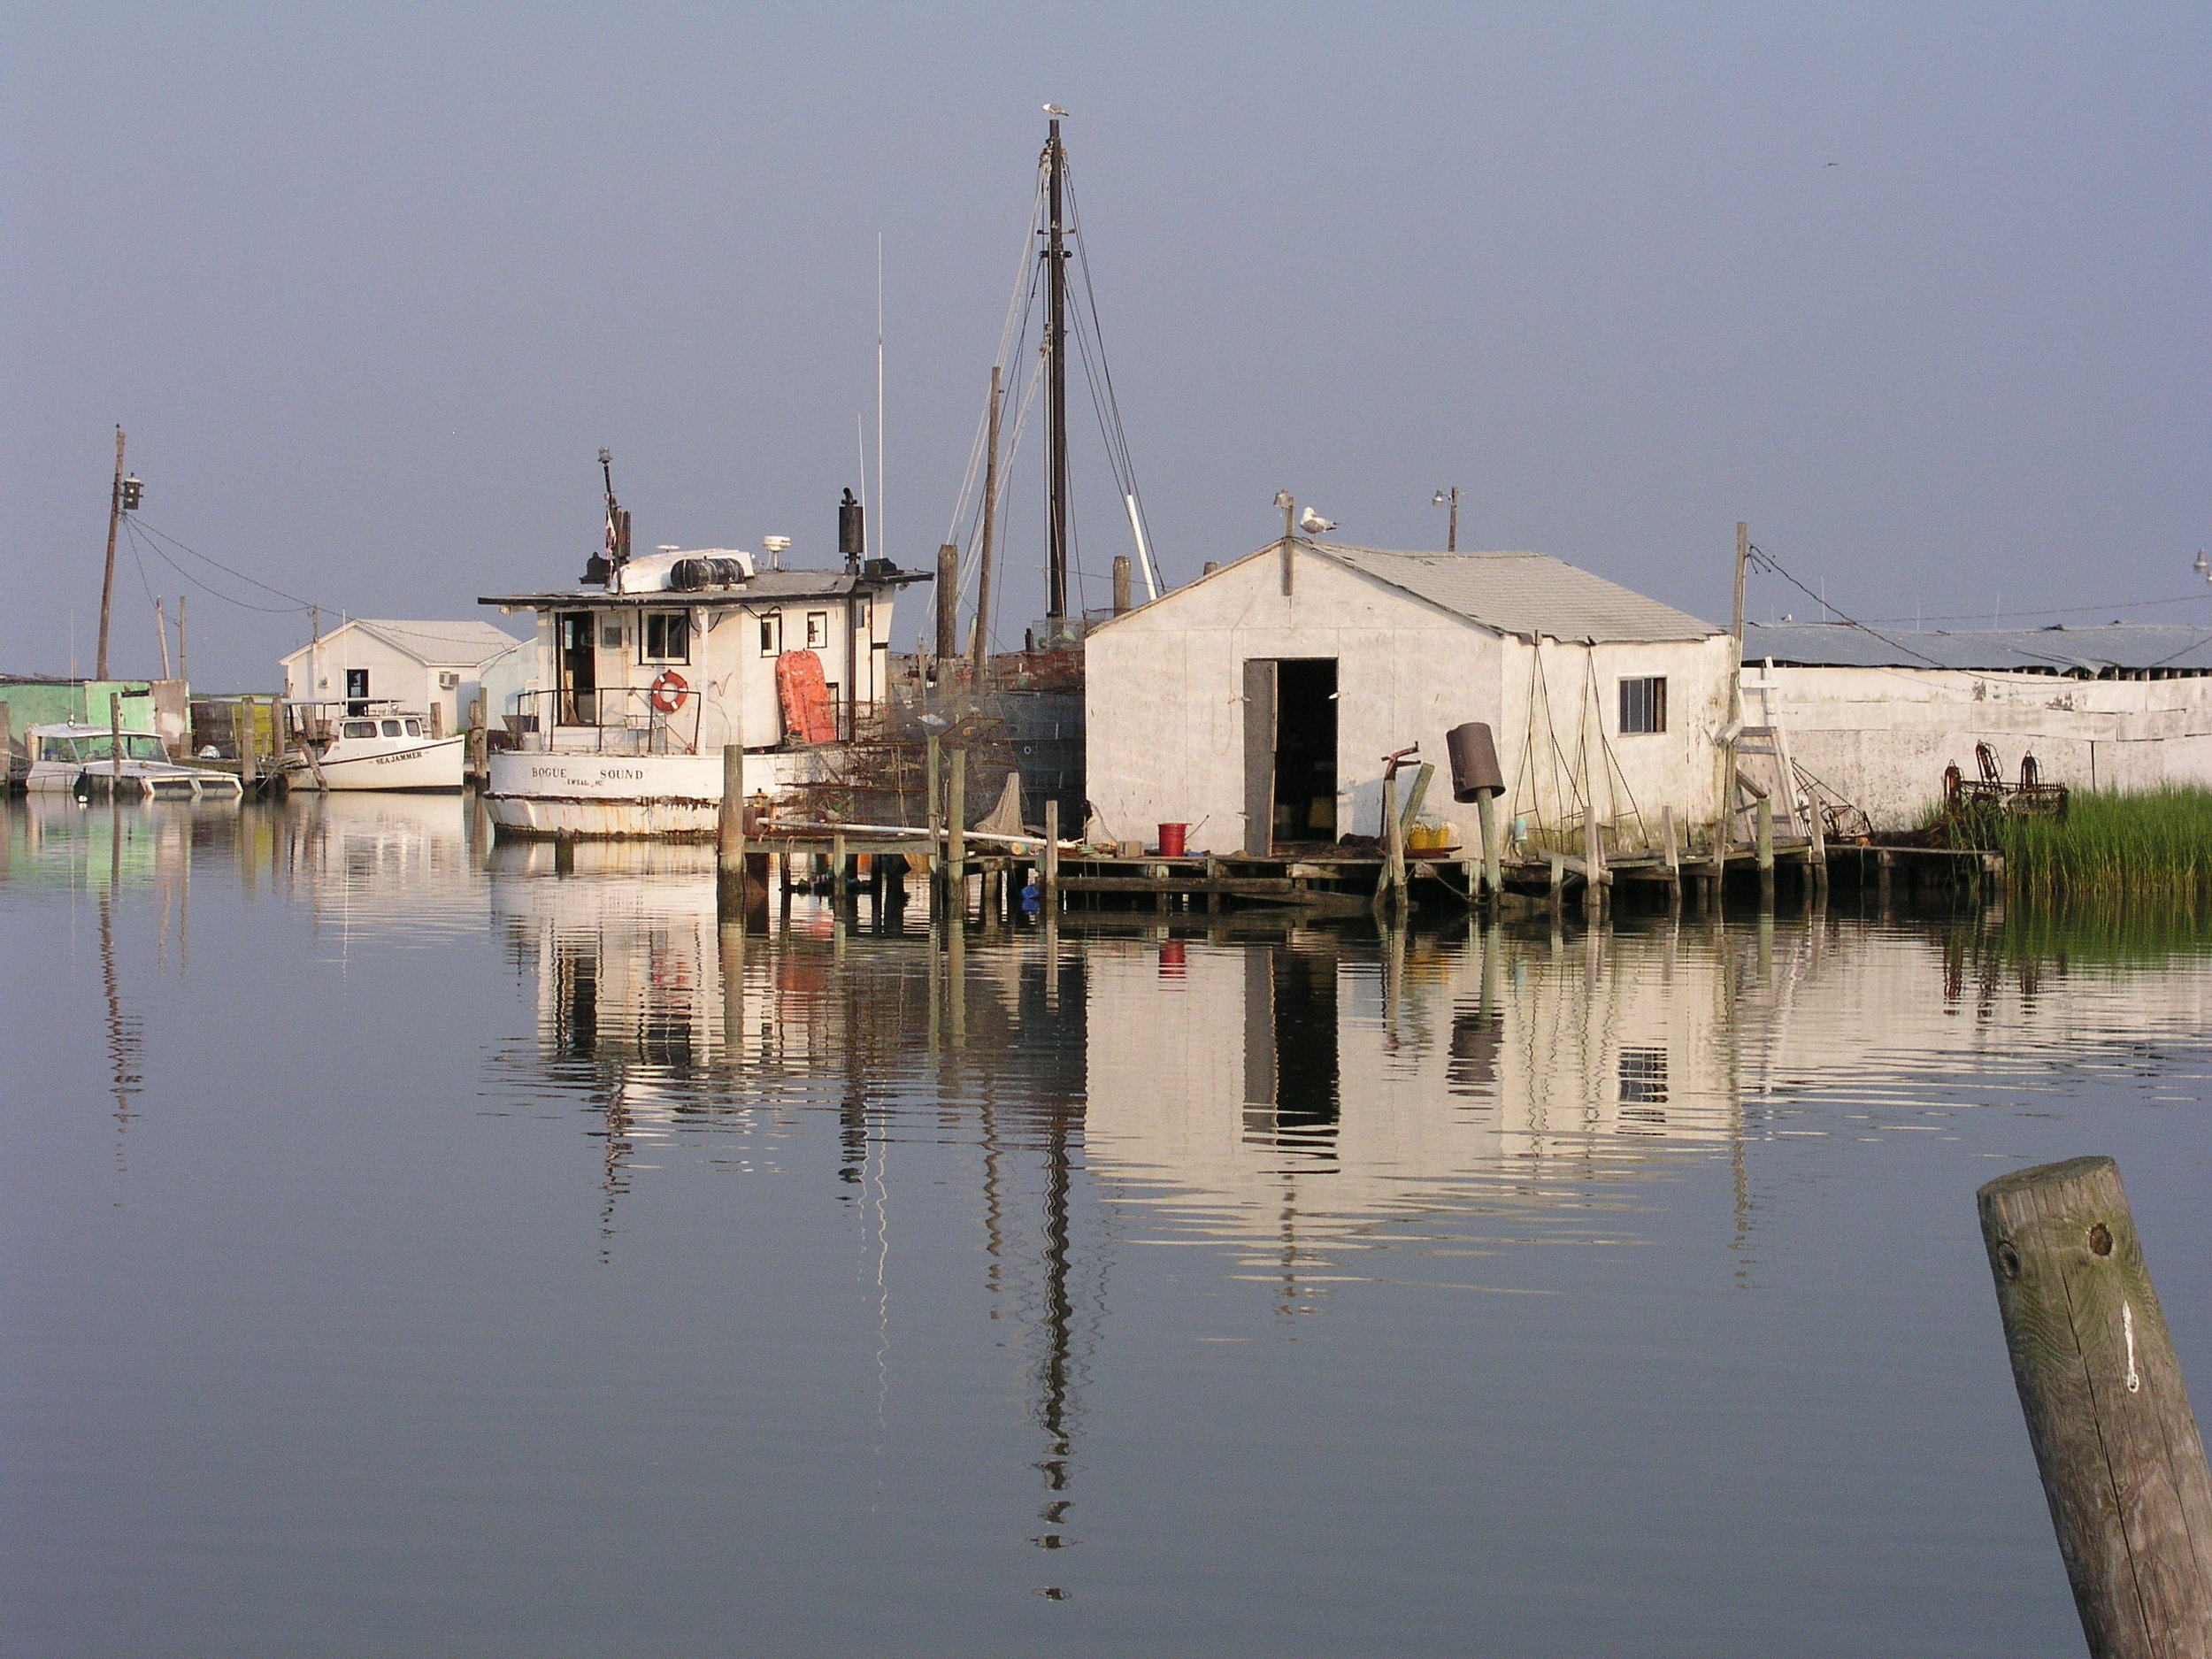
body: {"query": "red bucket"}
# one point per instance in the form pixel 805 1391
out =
pixel 1171 839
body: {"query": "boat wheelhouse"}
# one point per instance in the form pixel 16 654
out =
pixel 656 663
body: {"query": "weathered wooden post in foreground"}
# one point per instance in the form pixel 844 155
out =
pixel 1048 875
pixel 729 832
pixel 2115 1440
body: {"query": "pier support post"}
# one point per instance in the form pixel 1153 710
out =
pixel 1393 888
pixel 2116 1443
pixel 241 736
pixel 729 832
pixel 956 832
pixel 840 888
pixel 1487 821
pixel 1051 872
pixel 1765 813
pixel 1593 865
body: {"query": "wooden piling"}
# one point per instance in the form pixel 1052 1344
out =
pixel 1393 890
pixel 957 832
pixel 115 733
pixel 1764 814
pixel 242 738
pixel 729 831
pixel 1593 876
pixel 1052 856
pixel 1487 819
pixel 2116 1443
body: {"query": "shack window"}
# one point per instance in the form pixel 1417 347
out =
pixel 817 630
pixel 1644 705
pixel 609 636
pixel 667 637
pixel 772 635
pixel 860 616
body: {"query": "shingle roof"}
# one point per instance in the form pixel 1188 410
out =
pixel 460 642
pixel 1526 594
pixel 2067 648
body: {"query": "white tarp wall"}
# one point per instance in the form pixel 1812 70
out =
pixel 1881 737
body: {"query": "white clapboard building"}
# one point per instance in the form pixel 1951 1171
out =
pixel 1257 704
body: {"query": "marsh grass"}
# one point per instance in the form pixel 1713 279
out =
pixel 2151 847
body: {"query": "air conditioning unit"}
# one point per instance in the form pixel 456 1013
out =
pixel 448 682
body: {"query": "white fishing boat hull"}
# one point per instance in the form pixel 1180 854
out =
pixel 661 797
pixel 618 797
pixel 416 766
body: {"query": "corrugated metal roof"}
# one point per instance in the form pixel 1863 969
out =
pixel 2065 648
pixel 1526 594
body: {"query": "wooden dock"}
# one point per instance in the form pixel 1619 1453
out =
pixel 996 879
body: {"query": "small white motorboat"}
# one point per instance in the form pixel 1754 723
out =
pixel 68 759
pixel 372 746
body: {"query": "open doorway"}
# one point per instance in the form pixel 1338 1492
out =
pixel 1290 752
pixel 580 670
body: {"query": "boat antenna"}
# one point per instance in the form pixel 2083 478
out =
pixel 1056 259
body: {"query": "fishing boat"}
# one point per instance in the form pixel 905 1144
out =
pixel 654 664
pixel 72 759
pixel 363 745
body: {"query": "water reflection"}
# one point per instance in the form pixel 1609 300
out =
pixel 1044 1113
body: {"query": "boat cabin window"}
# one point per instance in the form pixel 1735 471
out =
pixel 817 630
pixel 414 729
pixel 772 635
pixel 666 638
pixel 391 728
pixel 58 748
pixel 360 728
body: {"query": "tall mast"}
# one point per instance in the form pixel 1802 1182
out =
pixel 982 642
pixel 1056 375
pixel 115 514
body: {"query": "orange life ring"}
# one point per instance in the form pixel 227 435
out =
pixel 669 691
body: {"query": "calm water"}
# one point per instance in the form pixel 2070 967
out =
pixel 413 1248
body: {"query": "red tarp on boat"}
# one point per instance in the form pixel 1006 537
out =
pixel 808 713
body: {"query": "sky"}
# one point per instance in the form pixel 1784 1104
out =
pixel 1917 291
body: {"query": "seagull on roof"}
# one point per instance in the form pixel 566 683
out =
pixel 1054 108
pixel 1313 524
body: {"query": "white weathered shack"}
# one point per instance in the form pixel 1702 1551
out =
pixel 1877 716
pixel 435 667
pixel 1257 704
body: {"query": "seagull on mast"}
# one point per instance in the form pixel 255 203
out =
pixel 1054 108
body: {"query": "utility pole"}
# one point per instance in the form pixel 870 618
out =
pixel 107 582
pixel 982 644
pixel 1735 627
pixel 1451 534
pixel 1055 374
